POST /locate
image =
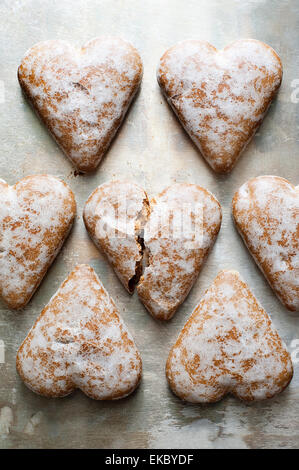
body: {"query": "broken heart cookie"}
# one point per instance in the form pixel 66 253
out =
pixel 80 341
pixel 36 215
pixel 228 345
pixel 266 213
pixel 82 95
pixel 158 246
pixel 220 97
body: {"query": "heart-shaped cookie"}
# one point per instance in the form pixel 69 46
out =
pixel 220 97
pixel 228 345
pixel 266 213
pixel 80 341
pixel 158 246
pixel 82 95
pixel 36 215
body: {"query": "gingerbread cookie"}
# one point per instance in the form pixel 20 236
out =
pixel 81 95
pixel 80 341
pixel 220 97
pixel 175 259
pixel 266 213
pixel 36 215
pixel 158 246
pixel 228 345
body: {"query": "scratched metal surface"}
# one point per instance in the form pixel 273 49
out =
pixel 151 149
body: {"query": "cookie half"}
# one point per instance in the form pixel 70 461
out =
pixel 114 215
pixel 182 227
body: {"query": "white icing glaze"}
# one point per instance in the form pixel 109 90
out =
pixel 36 215
pixel 266 212
pixel 82 95
pixel 228 345
pixel 80 341
pixel 220 96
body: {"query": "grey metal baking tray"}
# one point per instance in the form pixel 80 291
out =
pixel 153 150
